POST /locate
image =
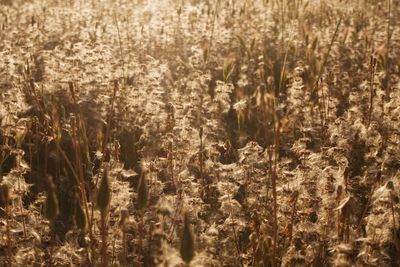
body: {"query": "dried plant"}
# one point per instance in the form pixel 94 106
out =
pixel 274 124
pixel 187 241
pixel 103 202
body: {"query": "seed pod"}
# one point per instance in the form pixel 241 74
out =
pixel 187 242
pixel 4 195
pixel 143 193
pixel 104 194
pixel 51 206
pixel 80 218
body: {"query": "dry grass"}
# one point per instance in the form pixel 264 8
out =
pixel 199 133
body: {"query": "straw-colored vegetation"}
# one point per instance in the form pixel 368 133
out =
pixel 199 133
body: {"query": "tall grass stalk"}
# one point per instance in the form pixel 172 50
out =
pixel 104 149
pixel 321 70
pixel 5 194
pixel 387 55
pixel 208 50
pixel 274 192
pixel 103 202
pixel 120 48
pixel 75 123
pixel 372 67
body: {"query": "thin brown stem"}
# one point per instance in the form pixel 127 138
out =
pixel 326 56
pixel 171 164
pixel 201 157
pixel 8 234
pixel 295 197
pixel 104 256
pixel 120 47
pixel 387 59
pixel 217 3
pixel 371 88
pixel 141 235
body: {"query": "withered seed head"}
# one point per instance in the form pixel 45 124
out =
pixel 123 219
pixel 201 133
pixel 187 242
pixel 104 194
pixel 4 195
pixel 142 193
pixel 51 206
pixel 80 218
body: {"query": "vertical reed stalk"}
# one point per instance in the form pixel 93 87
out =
pixel 274 192
pixel 8 231
pixel 372 67
pixel 387 56
pixel 104 258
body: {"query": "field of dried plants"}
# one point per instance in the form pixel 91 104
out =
pixel 199 133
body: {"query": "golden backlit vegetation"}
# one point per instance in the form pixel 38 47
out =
pixel 199 133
